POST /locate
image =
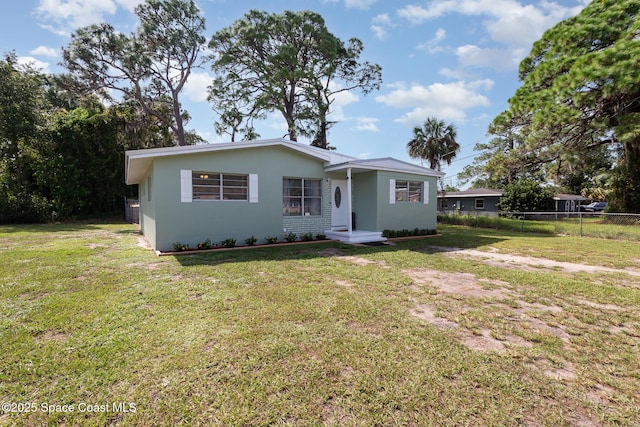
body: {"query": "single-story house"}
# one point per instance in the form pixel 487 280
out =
pixel 478 200
pixel 485 201
pixel 569 202
pixel 272 187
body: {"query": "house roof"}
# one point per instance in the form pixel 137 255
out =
pixel 570 197
pixel 476 192
pixel 382 164
pixel 489 192
pixel 138 161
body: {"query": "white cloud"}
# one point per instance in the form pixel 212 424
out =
pixel 68 15
pixel 513 23
pixel 379 32
pixel 359 4
pixel 34 63
pixel 130 5
pixel 509 22
pixel 55 30
pixel 496 58
pixel 382 19
pixel 196 88
pixel 418 14
pixel 44 51
pixel 433 45
pixel 452 74
pixel 380 24
pixel 340 99
pixel 78 13
pixel 448 101
pixel 367 124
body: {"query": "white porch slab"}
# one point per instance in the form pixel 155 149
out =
pixel 355 236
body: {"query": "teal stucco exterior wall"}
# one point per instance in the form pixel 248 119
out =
pixel 400 216
pixel 146 196
pixel 365 196
pixel 197 221
pixel 375 212
pixel 165 218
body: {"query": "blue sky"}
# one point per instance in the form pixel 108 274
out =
pixel 453 59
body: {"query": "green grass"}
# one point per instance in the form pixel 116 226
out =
pixel 318 334
pixel 624 227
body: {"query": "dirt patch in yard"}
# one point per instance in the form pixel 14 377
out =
pixel 363 261
pixel 329 252
pixel 519 315
pixel 50 335
pixel 428 312
pixel 344 283
pixel 464 284
pixel 519 262
pixel 142 242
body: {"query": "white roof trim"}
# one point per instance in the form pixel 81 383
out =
pixel 469 195
pixel 137 162
pixel 388 164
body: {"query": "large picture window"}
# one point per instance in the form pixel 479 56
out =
pixel 301 197
pixel 408 191
pixel 219 186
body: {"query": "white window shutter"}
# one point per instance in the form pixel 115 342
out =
pixel 392 191
pixel 186 187
pixel 426 192
pixel 253 188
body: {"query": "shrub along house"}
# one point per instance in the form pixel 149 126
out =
pixel 273 187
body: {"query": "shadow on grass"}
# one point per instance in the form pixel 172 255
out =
pixel 70 226
pixel 452 237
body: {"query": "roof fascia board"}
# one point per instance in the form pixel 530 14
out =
pixel 470 195
pixel 366 164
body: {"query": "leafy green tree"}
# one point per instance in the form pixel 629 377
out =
pixel 23 105
pixel 526 195
pixel 581 91
pixel 236 109
pixel 77 162
pixel 490 168
pixel 151 65
pixel 289 63
pixel 435 142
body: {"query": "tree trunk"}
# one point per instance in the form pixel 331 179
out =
pixel 179 124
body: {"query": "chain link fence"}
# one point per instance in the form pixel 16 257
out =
pixel 588 224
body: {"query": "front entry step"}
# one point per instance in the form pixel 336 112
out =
pixel 356 236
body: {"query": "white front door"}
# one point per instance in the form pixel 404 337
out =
pixel 339 205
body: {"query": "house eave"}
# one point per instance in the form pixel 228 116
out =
pixel 443 196
pixel 393 165
pixel 137 162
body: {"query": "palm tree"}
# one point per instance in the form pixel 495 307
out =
pixel 435 142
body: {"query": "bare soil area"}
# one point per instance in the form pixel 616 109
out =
pixel 524 317
pixel 530 263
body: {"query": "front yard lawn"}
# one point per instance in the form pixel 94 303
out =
pixel 473 327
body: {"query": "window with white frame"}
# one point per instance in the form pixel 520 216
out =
pixel 479 203
pixel 408 191
pixel 219 186
pixel 301 197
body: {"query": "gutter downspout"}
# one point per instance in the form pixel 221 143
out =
pixel 350 219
